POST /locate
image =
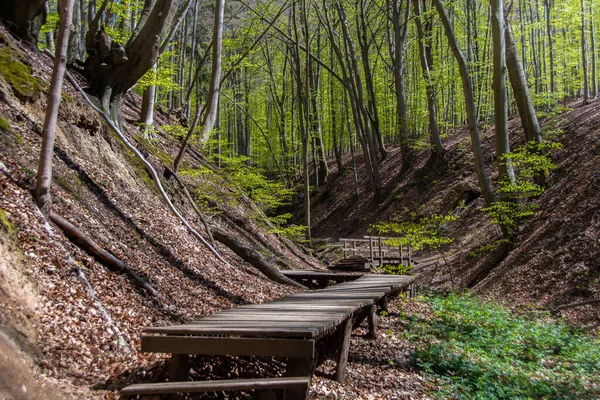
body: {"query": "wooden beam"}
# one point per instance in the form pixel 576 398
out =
pixel 345 332
pixel 228 346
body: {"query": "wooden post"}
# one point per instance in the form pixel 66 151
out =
pixel 371 248
pixel 345 333
pixel 373 322
pixel 345 244
pixel 380 254
pixel 354 247
pixel 408 254
pixel 401 254
pixel 304 366
pixel 383 304
pixel 179 368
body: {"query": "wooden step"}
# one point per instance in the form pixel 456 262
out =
pixel 215 386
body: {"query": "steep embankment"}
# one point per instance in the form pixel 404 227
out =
pixel 555 258
pixel 77 319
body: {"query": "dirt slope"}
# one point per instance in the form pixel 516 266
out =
pixel 556 254
pixel 81 321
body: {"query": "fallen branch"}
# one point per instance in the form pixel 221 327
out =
pixel 145 162
pixel 576 304
pixel 253 258
pixel 107 259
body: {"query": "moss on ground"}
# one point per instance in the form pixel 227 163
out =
pixel 6 225
pixel 18 75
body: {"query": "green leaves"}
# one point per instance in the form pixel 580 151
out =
pixel 418 233
pixel 482 351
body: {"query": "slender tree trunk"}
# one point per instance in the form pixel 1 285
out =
pixel 593 51
pixel 548 7
pixel 584 58
pixel 215 77
pixel 43 195
pixel 434 130
pixel 400 28
pixel 505 170
pixel 484 183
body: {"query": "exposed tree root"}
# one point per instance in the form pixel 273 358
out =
pixel 252 257
pixel 496 258
pixel 89 246
pixel 576 304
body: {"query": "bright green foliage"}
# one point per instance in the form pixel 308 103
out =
pixel 477 350
pixel 236 173
pixel 6 225
pixel 397 269
pixel 418 233
pixel 289 231
pixel 162 76
pixel 50 26
pixel 518 199
pixel 4 125
pixel 177 131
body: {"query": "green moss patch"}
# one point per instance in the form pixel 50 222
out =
pixel 6 225
pixel 18 75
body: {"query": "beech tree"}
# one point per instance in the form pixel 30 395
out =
pixel 112 68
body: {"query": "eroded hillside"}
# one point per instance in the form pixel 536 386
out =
pixel 68 316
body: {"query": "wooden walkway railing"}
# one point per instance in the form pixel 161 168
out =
pixel 287 327
pixel 376 250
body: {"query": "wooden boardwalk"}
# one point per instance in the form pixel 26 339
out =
pixel 371 251
pixel 287 327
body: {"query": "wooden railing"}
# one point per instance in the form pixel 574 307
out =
pixel 375 249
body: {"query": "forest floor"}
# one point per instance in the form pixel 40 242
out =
pixel 75 325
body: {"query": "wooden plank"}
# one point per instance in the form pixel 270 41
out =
pixel 342 360
pixel 228 346
pixel 287 332
pixel 216 385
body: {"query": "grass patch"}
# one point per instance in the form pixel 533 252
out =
pixel 478 350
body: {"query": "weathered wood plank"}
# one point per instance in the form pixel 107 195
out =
pixel 217 385
pixel 227 346
pixel 283 332
pixel 179 368
pixel 372 317
pixel 345 332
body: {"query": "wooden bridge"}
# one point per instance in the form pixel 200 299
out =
pixel 362 254
pixel 287 327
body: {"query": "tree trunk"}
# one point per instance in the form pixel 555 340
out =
pixel 584 61
pixel 24 17
pixel 484 183
pixel 434 130
pixel 114 69
pixel 548 7
pixel 593 44
pixel 505 170
pixel 215 76
pixel 43 186
pixel 400 28
pixel 76 50
pixel 531 127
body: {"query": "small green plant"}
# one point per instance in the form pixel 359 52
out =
pixel 485 249
pixel 397 269
pixel 478 350
pixel 418 233
pixel 517 200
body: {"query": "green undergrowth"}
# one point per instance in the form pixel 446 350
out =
pixel 477 350
pixel 6 225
